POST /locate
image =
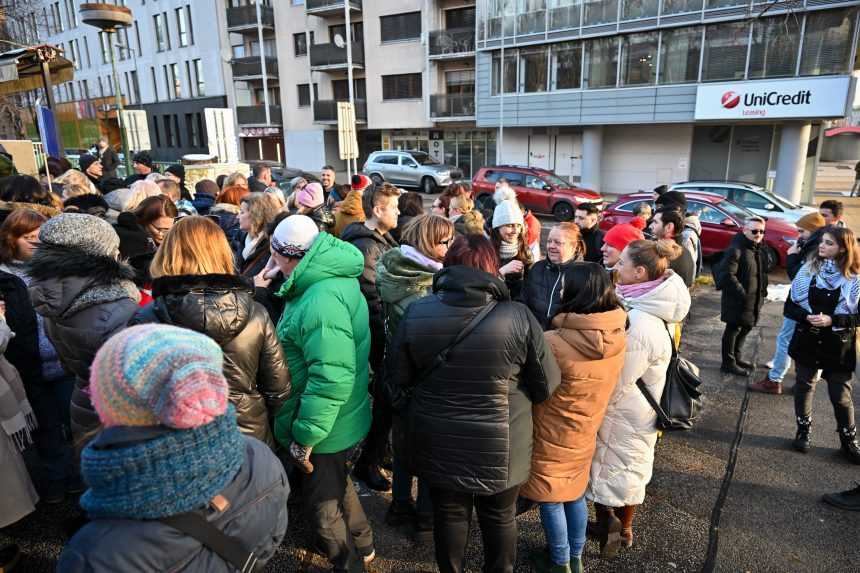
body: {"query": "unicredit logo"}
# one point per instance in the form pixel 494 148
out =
pixel 730 99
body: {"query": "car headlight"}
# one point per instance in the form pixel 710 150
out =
pixel 790 240
pixel 444 174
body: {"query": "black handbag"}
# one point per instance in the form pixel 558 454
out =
pixel 681 402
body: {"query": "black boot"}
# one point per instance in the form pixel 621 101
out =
pixel 743 363
pixel 801 440
pixel 848 500
pixel 734 368
pixel 850 448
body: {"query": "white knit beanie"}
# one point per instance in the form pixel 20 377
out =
pixel 294 236
pixel 507 212
pixel 504 193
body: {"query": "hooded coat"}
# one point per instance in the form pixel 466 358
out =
pixel 401 280
pixel 222 307
pixel 469 421
pixel 325 336
pixel 350 211
pixel 589 349
pixel 624 458
pixel 742 277
pixel 84 299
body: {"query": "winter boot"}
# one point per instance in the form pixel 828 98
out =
pixel 610 534
pixel 542 563
pixel 850 447
pixel 743 363
pixel 847 500
pixel 766 386
pixel 625 514
pixel 576 565
pixel 801 439
pixel 733 368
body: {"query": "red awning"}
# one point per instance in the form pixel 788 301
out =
pixel 840 130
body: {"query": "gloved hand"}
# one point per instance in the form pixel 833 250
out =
pixel 302 457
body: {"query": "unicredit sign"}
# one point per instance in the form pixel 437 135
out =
pixel 807 98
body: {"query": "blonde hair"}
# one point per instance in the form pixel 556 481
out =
pixel 235 179
pixel 262 208
pixel 653 256
pixel 75 190
pixel 75 177
pixel 424 232
pixel 473 222
pixel 462 203
pixel 574 235
pixel 194 246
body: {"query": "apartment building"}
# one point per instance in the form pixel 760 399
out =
pixel 413 66
pixel 169 62
pixel 629 94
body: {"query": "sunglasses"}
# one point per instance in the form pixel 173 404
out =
pixel 757 231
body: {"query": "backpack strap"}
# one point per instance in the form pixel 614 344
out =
pixel 442 356
pixel 229 548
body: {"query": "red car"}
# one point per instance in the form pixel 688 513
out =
pixel 721 220
pixel 539 190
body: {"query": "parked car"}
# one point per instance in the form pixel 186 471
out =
pixel 539 190
pixel 721 220
pixel 410 169
pixel 750 196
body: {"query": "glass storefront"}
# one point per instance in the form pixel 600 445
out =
pixel 470 149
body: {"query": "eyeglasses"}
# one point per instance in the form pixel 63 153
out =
pixel 447 242
pixel 757 231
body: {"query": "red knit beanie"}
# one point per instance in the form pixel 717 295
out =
pixel 620 236
pixel 360 182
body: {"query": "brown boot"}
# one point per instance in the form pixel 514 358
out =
pixel 625 515
pixel 609 528
pixel 766 386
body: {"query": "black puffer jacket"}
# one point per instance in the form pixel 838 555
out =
pixel 809 247
pixel 593 239
pixel 542 290
pixel 372 245
pixel 23 349
pixel 223 308
pixel 469 424
pixel 256 262
pixel 742 276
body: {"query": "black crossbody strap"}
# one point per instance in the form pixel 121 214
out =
pixel 442 356
pixel 229 548
pixel 661 414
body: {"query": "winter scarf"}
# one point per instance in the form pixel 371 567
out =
pixel 250 245
pixel 413 254
pixel 173 472
pixel 508 250
pixel 829 277
pixel 16 415
pixel 639 289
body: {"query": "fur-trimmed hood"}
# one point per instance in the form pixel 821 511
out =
pixel 66 280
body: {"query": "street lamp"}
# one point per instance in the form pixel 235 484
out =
pixel 109 19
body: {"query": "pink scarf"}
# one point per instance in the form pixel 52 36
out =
pixel 638 289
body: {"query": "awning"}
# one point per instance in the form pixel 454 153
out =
pixel 30 70
pixel 839 130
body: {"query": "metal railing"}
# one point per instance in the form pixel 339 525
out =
pixel 251 66
pixel 453 41
pixel 452 105
pixel 325 110
pixel 256 115
pixel 246 16
pixel 311 5
pixel 326 55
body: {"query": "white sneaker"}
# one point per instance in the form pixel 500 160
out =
pixel 769 364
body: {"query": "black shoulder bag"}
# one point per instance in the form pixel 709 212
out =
pixel 229 548
pixel 681 402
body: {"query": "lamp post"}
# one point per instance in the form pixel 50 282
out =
pixel 109 19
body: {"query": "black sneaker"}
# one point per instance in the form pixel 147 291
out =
pixel 848 500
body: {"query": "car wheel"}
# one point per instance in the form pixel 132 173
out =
pixel 377 179
pixel 772 258
pixel 428 185
pixel 562 211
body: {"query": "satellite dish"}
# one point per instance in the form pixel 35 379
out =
pixel 338 41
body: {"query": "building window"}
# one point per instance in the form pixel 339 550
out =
pixel 58 20
pixel 199 80
pixel 154 79
pixel 827 43
pixel 725 51
pixel 724 3
pixel 305 94
pixel 300 44
pixel 681 6
pixel 680 51
pixel 639 59
pixel 169 135
pixel 340 89
pixel 87 52
pixel 400 27
pixel 601 62
pixel 175 81
pixel 509 77
pixel 156 131
pixel 401 86
pixel 533 69
pixel 101 88
pixel 634 9
pixel 137 38
pixel 459 18
pixel 104 42
pixel 135 86
pixel 71 13
pixel 183 25
pixel 167 83
pixel 567 66
pixel 356 31
pixel 162 36
pixel 600 11
pixel 773 52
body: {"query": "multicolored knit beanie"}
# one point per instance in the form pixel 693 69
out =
pixel 157 374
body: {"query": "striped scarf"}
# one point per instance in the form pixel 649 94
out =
pixel 829 277
pixel 16 416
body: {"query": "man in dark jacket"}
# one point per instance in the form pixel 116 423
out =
pixel 108 158
pixel 142 165
pixel 372 239
pixel 261 178
pixel 587 217
pixel 742 276
pixel 668 223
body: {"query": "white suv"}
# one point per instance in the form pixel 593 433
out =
pixel 410 169
pixel 750 196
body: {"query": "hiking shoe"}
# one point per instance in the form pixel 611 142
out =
pixel 801 439
pixel 848 500
pixel 850 447
pixel 766 386
pixel 542 563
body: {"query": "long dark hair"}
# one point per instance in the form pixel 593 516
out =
pixel 587 290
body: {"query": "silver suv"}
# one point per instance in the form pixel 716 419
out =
pixel 410 169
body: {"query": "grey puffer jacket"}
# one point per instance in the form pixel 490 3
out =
pixel 84 300
pixel 256 515
pixel 222 307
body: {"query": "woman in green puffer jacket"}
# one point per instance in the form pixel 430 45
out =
pixel 404 275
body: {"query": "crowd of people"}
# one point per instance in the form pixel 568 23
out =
pixel 190 359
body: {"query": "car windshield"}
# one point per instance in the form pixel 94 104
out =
pixel 781 201
pixel 424 159
pixel 554 179
pixel 735 211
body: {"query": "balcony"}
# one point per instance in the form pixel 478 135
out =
pixel 325 111
pixel 256 115
pixel 452 106
pixel 251 68
pixel 330 57
pixel 330 7
pixel 454 43
pixel 245 18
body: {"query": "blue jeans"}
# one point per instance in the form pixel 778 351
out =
pixel 401 488
pixel 781 361
pixel 564 526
